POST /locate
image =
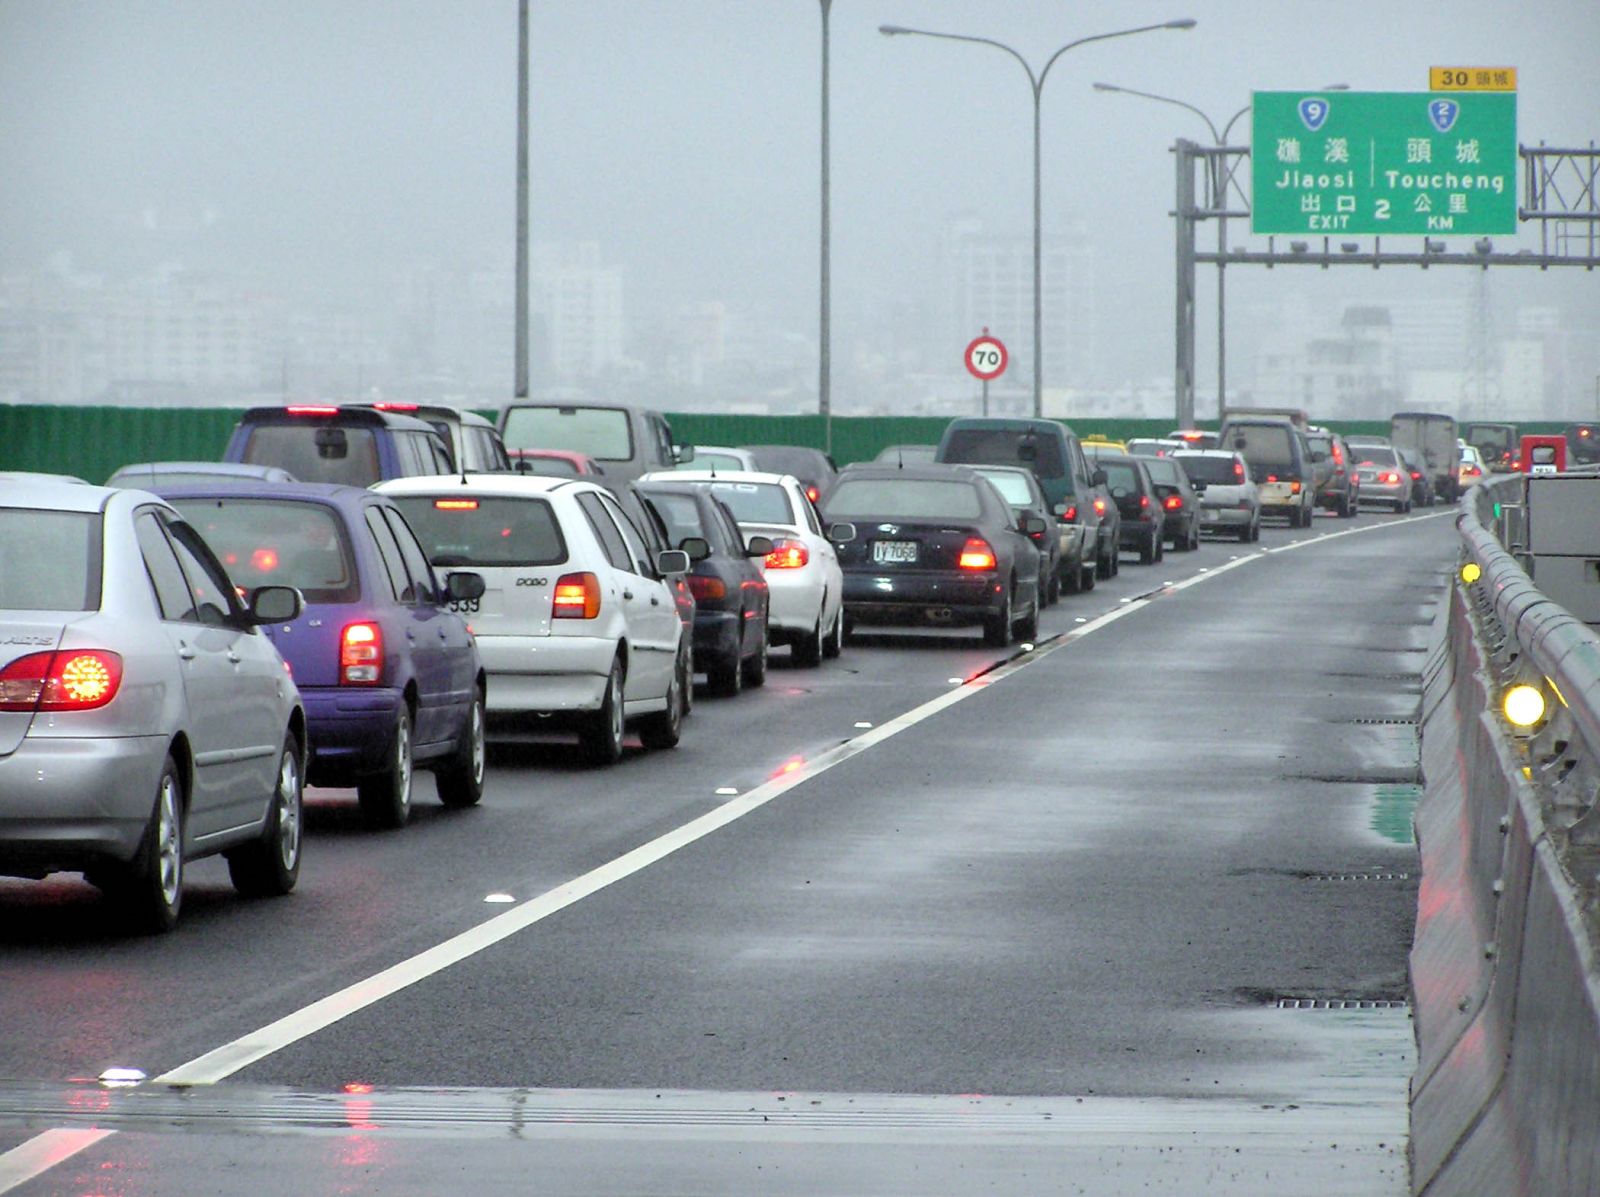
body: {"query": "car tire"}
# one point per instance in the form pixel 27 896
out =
pixel 726 676
pixel 1161 547
pixel 459 778
pixel 600 737
pixel 1091 576
pixel 149 890
pixel 1053 588
pixel 1027 628
pixel 755 665
pixel 386 797
pixel 1147 551
pixel 1072 579
pixel 807 650
pixel 270 866
pixel 833 644
pixel 663 729
pixel 997 627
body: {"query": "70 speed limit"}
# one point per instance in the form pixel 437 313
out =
pixel 986 358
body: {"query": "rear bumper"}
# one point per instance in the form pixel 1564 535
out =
pixel 71 804
pixel 718 637
pixel 794 598
pixel 937 600
pixel 546 673
pixel 1226 517
pixel 1280 496
pixel 349 728
pixel 1137 533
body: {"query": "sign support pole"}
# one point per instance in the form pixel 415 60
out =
pixel 1183 335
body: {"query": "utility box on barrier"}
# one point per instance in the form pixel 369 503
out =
pixel 1563 540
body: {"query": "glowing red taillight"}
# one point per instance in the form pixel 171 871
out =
pixel 1069 515
pixel 1416 474
pixel 706 588
pixel 1272 477
pixel 1144 501
pixel 73 679
pixel 361 655
pixel 455 504
pixel 1099 506
pixel 302 410
pixel 787 554
pixel 395 406
pixel 1294 488
pixel 976 554
pixel 813 493
pixel 1389 478
pixel 1174 503
pixel 1238 470
pixel 577 596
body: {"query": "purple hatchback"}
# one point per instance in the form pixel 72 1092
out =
pixel 389 674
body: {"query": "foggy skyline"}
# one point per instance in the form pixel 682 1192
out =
pixel 331 147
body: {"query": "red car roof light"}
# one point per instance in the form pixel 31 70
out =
pixel 311 410
pixel 71 679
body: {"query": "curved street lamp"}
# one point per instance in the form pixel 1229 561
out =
pixel 1219 197
pixel 1036 82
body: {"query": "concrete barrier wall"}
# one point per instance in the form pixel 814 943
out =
pixel 1506 990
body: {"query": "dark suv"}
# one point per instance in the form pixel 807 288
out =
pixel 350 446
pixel 1052 451
pixel 1338 485
pixel 1143 528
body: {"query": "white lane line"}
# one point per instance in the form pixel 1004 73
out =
pixel 43 1152
pixel 51 1147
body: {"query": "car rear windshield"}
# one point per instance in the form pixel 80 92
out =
pixel 710 459
pixel 1121 477
pixel 756 502
pixel 49 560
pixel 1213 471
pixel 1005 446
pixel 1377 455
pixel 681 514
pixel 278 542
pixel 550 467
pixel 904 499
pixel 1013 487
pixel 601 432
pixel 462 530
pixel 1163 470
pixel 807 464
pixel 1264 444
pixel 348 456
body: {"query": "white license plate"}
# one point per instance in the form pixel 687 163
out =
pixel 894 552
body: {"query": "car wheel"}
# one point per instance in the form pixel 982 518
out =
pixel 386 797
pixel 149 891
pixel 1147 550
pixel 459 779
pixel 997 627
pixel 1090 576
pixel 601 734
pixel 1072 578
pixel 755 665
pixel 807 649
pixel 833 644
pixel 1160 547
pixel 269 867
pixel 1027 627
pixel 726 676
pixel 663 729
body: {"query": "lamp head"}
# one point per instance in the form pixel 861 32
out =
pixel 1182 23
pixel 891 30
pixel 1106 87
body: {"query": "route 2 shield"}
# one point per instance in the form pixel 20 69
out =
pixel 1443 114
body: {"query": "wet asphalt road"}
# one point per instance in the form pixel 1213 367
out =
pixel 1091 877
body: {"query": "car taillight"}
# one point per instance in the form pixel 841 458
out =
pixel 1069 515
pixel 75 679
pixel 1099 506
pixel 1390 478
pixel 361 655
pixel 1238 470
pixel 1415 475
pixel 706 588
pixel 976 554
pixel 1272 477
pixel 787 554
pixel 1174 503
pixel 1144 501
pixel 577 596
pixel 302 410
pixel 395 406
pixel 813 493
pixel 1294 488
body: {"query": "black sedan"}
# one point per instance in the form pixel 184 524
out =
pixel 1134 492
pixel 1179 503
pixel 933 545
pixel 730 591
pixel 812 468
pixel 1020 488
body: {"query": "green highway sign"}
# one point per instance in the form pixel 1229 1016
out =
pixel 1437 164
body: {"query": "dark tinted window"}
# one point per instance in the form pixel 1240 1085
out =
pixel 605 529
pixel 1375 455
pixel 161 564
pixel 630 536
pixel 1264 444
pixel 208 584
pixel 904 498
pixel 756 502
pixel 550 467
pixel 682 515
pixel 467 531
pixel 49 560
pixel 394 565
pixel 1122 477
pixel 422 588
pixel 1003 446
pixel 347 455
pixel 278 542
pixel 1164 470
pixel 1210 470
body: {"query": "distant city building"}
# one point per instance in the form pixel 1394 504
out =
pixel 1353 376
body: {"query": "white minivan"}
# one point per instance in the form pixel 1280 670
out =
pixel 577 626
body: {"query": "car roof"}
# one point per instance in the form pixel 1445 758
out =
pixel 427 411
pixel 758 476
pixel 1230 454
pixel 51 495
pixel 330 493
pixel 332 414
pixel 934 471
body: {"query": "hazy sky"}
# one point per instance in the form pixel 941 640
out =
pixel 334 140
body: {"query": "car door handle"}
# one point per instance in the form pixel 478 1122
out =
pixel 627 594
pixel 187 653
pixel 233 656
pixel 654 601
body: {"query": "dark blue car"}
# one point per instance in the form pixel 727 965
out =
pixel 389 673
pixel 351 446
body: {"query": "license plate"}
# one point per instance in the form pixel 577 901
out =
pixel 1208 515
pixel 894 552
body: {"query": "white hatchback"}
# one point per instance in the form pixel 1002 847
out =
pixel 804 581
pixel 577 625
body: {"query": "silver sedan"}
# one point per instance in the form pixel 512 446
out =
pixel 144 720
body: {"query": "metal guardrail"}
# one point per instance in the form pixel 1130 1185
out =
pixel 1533 639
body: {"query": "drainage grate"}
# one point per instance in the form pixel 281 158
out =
pixel 1385 722
pixel 1341 1004
pixel 1372 876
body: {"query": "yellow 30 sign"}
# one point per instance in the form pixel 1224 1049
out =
pixel 1472 78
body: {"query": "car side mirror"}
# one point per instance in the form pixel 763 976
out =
pixel 682 454
pixel 1098 477
pixel 759 546
pixel 843 533
pixel 463 586
pixel 275 604
pixel 697 547
pixel 672 561
pixel 1034 525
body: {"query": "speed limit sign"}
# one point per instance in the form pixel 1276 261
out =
pixel 986 357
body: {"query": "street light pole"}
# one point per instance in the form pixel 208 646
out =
pixel 1036 83
pixel 824 334
pixel 521 387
